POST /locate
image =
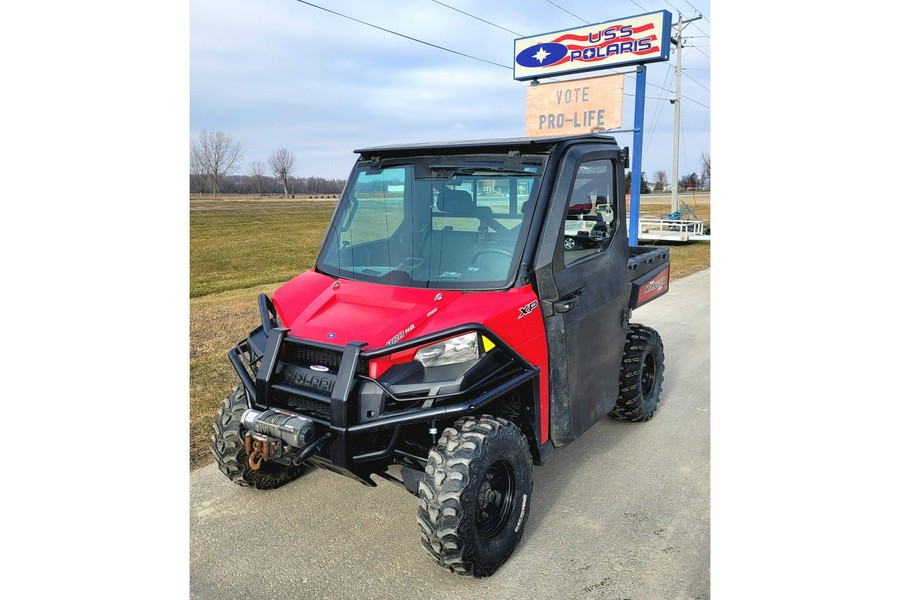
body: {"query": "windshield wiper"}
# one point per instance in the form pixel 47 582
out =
pixel 483 171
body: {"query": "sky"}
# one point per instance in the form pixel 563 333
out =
pixel 282 73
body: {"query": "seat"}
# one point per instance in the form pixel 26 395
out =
pixel 458 202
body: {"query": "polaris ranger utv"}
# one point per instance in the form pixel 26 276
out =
pixel 448 333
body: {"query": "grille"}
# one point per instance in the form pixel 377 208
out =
pixel 327 358
pixel 296 386
pixel 307 405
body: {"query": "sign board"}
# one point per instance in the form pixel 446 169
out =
pixel 574 107
pixel 639 39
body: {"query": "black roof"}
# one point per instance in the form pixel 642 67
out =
pixel 528 145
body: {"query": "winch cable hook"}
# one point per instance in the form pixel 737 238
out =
pixel 255 456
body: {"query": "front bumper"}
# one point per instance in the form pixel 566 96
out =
pixel 361 422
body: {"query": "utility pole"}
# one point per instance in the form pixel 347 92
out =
pixel 677 40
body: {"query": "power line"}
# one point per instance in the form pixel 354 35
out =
pixel 657 111
pixel 695 81
pixel 478 18
pixel 683 97
pixel 639 6
pixel 697 48
pixel 695 10
pixel 648 98
pixel 706 35
pixel 665 90
pixel 670 91
pixel 490 62
pixel 565 11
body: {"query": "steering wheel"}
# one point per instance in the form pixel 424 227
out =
pixel 490 250
pixel 410 263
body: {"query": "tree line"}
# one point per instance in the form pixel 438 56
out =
pixel 216 156
pixel 215 159
pixel 268 186
pixel 687 182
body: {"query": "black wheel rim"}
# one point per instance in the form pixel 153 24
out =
pixel 648 375
pixel 495 499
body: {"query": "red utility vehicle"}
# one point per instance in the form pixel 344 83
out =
pixel 448 338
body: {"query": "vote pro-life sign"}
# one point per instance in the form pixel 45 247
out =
pixel 580 106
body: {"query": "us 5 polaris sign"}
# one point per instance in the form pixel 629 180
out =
pixel 639 39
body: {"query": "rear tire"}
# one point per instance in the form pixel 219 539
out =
pixel 641 376
pixel 228 448
pixel 474 497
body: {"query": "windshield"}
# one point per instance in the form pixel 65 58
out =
pixel 448 222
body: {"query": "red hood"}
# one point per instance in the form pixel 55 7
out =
pixel 318 307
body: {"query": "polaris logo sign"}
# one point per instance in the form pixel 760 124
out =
pixel 639 39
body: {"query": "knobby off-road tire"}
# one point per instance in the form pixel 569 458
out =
pixel 474 497
pixel 641 377
pixel 228 448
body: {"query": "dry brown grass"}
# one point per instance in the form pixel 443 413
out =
pixel 218 322
pixel 686 258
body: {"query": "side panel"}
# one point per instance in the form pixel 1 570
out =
pixel 648 272
pixel 650 286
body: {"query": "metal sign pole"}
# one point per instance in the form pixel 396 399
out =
pixel 635 213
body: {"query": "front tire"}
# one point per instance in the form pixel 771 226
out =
pixel 228 448
pixel 474 497
pixel 641 376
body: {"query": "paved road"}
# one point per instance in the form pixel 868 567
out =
pixel 623 512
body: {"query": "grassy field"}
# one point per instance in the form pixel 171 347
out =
pixel 239 249
pixel 243 247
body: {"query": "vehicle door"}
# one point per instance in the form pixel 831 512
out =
pixel 583 288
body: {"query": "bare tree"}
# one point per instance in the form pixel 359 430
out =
pixel 197 181
pixel 659 181
pixel 258 172
pixel 707 175
pixel 282 163
pixel 213 156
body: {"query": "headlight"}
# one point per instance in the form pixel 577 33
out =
pixel 449 352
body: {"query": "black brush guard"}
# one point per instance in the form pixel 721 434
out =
pixel 331 401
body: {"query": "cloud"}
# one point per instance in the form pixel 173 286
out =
pixel 278 73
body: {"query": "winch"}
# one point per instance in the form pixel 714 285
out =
pixel 292 429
